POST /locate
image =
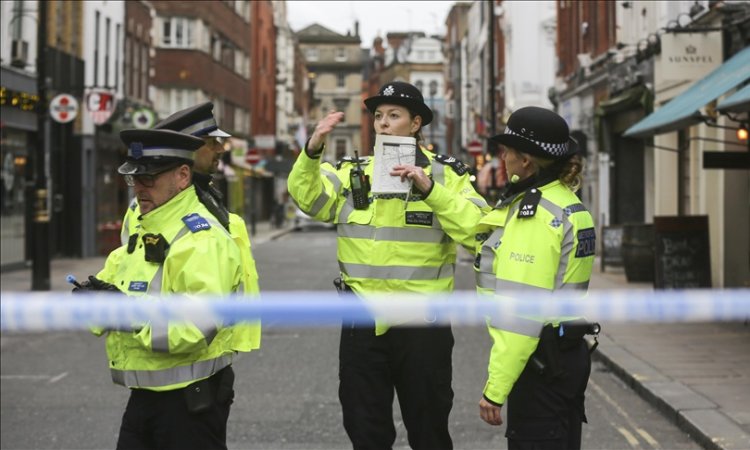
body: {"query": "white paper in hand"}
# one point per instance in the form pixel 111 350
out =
pixel 391 151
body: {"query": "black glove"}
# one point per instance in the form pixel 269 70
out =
pixel 95 284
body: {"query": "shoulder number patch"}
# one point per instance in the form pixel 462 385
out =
pixel 586 242
pixel 196 223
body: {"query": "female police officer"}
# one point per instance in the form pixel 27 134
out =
pixel 538 239
pixel 392 243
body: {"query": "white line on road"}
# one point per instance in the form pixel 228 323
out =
pixel 24 377
pixel 57 378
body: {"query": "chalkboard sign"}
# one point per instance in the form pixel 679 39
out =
pixel 611 246
pixel 683 257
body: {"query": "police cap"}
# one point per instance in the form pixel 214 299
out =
pixel 402 94
pixel 539 132
pixel 198 121
pixel 153 151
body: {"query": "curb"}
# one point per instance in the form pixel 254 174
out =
pixel 689 410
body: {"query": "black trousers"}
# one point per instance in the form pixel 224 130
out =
pixel 548 415
pixel 416 362
pixel 161 420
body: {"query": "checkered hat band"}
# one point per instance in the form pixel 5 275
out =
pixel 202 127
pixel 165 151
pixel 553 149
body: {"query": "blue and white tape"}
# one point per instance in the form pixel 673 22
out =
pixel 64 311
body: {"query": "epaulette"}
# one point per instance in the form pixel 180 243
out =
pixel 351 159
pixel 458 167
pixel 196 223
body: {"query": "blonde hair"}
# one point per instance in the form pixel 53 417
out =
pixel 570 172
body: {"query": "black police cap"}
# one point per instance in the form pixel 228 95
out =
pixel 152 151
pixel 539 132
pixel 402 94
pixel 197 120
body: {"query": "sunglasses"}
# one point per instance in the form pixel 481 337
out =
pixel 145 180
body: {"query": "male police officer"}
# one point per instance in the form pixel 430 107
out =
pixel 180 373
pixel 200 122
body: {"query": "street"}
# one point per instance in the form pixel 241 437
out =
pixel 56 392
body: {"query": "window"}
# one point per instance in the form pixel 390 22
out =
pixel 341 54
pixel 311 54
pixel 177 32
pixel 340 80
pixel 340 148
pixel 420 85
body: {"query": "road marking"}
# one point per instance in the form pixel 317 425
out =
pixel 57 378
pixel 24 377
pixel 629 437
pixel 643 433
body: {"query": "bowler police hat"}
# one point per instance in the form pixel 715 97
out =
pixel 539 132
pixel 402 94
pixel 153 151
pixel 197 120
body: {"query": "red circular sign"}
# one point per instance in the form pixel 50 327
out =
pixel 252 156
pixel 63 108
pixel 475 147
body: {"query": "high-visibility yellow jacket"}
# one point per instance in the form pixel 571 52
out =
pixel 201 258
pixel 530 256
pixel 395 245
pixel 247 335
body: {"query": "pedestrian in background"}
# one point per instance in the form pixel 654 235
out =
pixel 179 373
pixel 539 240
pixel 200 122
pixel 392 243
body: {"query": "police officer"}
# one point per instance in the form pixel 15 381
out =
pixel 392 243
pixel 538 240
pixel 179 374
pixel 200 122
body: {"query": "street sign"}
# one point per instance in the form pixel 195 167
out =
pixel 100 103
pixel 475 148
pixel 63 108
pixel 252 157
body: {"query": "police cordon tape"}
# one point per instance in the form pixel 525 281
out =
pixel 65 311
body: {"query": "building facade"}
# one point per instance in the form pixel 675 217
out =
pixel 334 65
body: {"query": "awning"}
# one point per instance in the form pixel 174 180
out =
pixel 737 102
pixel 684 110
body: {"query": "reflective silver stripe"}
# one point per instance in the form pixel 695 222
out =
pixel 174 375
pixel 333 179
pixel 503 286
pixel 346 210
pixel 438 172
pixel 160 333
pixel 486 280
pixel 566 246
pixel 477 201
pixel 155 151
pixel 397 272
pixel 518 325
pixel 581 286
pixel 318 204
pixel 208 123
pixel 397 234
pixel 487 253
pixel 125 231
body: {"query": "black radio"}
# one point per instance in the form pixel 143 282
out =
pixel 360 185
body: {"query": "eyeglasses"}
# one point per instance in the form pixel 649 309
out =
pixel 145 180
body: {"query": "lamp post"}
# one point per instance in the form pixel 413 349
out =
pixel 40 271
pixel 433 91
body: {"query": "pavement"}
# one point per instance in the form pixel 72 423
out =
pixel 697 374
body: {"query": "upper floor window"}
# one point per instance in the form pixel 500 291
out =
pixel 312 54
pixel 340 54
pixel 340 80
pixel 177 32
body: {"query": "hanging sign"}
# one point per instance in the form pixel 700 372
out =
pixel 143 118
pixel 63 108
pixel 100 103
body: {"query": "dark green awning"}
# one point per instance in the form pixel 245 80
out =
pixel 684 109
